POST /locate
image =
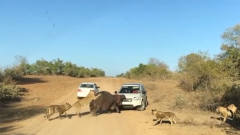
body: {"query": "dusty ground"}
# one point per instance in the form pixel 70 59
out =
pixel 26 117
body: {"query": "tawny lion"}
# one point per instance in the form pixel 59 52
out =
pixel 232 108
pixel 227 112
pixel 84 101
pixel 224 112
pixel 61 109
pixel 160 116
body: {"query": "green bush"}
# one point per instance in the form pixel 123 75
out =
pixel 9 93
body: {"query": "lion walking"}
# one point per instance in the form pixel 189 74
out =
pixel 160 116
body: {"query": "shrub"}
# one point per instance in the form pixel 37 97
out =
pixel 9 93
pixel 12 74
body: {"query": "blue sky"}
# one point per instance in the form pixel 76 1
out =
pixel 114 35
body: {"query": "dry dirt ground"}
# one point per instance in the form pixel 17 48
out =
pixel 26 117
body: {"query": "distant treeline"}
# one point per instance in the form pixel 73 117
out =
pixel 44 67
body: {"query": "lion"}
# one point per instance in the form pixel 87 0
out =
pixel 61 109
pixel 232 108
pixel 84 101
pixel 224 112
pixel 160 116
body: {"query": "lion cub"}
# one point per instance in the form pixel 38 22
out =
pixel 160 116
pixel 61 109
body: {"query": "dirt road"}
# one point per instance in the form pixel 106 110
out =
pixel 47 90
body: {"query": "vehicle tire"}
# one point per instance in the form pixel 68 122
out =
pixel 142 106
pixel 147 103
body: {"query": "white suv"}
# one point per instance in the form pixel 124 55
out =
pixel 85 88
pixel 136 96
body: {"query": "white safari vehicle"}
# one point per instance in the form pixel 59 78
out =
pixel 85 88
pixel 136 96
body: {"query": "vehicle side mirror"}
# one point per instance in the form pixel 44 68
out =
pixel 115 92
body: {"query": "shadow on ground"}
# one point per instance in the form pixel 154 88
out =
pixel 14 113
pixel 231 126
pixel 30 80
pixel 6 129
pixel 70 116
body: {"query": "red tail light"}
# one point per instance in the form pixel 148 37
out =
pixel 79 90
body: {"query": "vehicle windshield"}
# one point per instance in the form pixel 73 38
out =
pixel 130 89
pixel 87 86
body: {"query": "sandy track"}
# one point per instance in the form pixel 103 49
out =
pixel 60 89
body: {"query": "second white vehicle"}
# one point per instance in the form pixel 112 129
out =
pixel 136 96
pixel 85 88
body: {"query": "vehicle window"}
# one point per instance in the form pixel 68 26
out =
pixel 130 89
pixel 87 86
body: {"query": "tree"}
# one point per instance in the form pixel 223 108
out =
pixel 198 71
pixel 231 37
pixel 1 75
pixel 230 57
pixel 57 67
pixel 155 61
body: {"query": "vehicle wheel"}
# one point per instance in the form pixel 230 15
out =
pixel 141 107
pixel 147 103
